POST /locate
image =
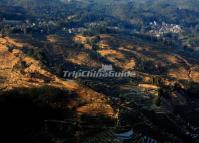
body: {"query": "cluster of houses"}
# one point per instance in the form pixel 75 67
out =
pixel 159 30
pixel 40 26
pixel 20 26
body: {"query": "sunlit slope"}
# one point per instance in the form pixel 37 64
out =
pixel 19 71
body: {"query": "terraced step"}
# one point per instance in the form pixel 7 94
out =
pixel 103 137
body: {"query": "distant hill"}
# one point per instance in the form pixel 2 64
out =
pixel 31 3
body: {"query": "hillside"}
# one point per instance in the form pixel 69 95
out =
pixel 28 79
pixel 94 41
pixel 31 79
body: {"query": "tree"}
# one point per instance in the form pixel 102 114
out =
pixel 6 30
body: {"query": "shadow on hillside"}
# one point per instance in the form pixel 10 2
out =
pixel 41 115
pixel 23 112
